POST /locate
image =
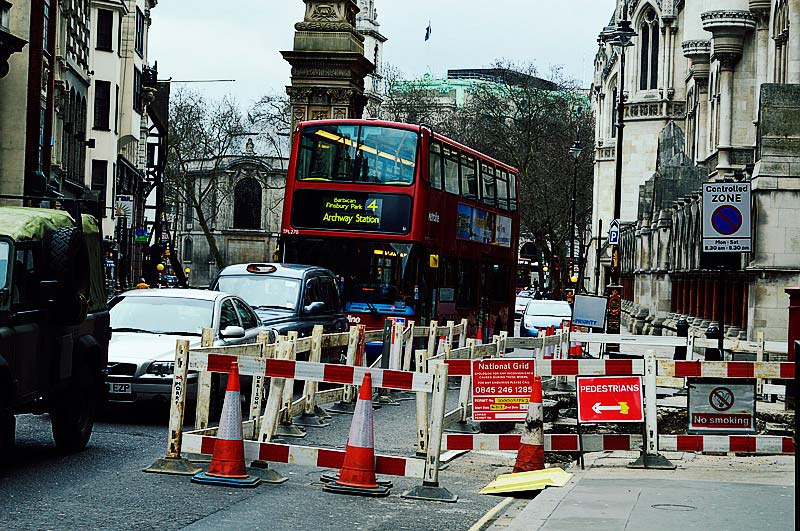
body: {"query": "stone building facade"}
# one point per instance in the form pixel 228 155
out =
pixel 245 218
pixel 367 25
pixel 121 118
pixel 712 94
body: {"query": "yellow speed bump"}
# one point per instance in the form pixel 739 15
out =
pixel 524 481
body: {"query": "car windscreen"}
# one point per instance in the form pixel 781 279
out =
pixel 262 291
pixel 522 301
pixel 357 153
pixel 549 308
pixel 162 315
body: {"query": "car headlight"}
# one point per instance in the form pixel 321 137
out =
pixel 528 322
pixel 161 368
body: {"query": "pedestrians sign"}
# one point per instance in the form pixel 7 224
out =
pixel 610 399
pixel 722 406
pixel 726 217
pixel 501 389
pixel 613 233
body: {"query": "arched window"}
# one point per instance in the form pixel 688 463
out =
pixel 247 204
pixel 648 44
pixel 188 249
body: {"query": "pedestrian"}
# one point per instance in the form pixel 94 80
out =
pixel 142 284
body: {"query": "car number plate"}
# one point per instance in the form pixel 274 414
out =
pixel 119 388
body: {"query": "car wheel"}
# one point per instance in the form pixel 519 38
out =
pixel 72 416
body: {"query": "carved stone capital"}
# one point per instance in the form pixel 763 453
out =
pixel 728 27
pixel 699 54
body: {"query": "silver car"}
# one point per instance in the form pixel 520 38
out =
pixel 146 323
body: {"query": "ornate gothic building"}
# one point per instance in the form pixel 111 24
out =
pixel 711 94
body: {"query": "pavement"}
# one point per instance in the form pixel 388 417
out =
pixel 703 492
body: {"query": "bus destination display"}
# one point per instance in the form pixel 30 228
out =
pixel 352 211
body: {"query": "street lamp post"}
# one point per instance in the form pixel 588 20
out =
pixel 575 151
pixel 618 36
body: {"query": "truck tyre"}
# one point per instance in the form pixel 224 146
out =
pixel 68 259
pixel 73 414
pixel 8 425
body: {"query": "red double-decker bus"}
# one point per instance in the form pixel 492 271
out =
pixel 414 224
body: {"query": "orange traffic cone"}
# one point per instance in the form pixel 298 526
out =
pixel 531 450
pixel 227 463
pixel 479 335
pixel 357 475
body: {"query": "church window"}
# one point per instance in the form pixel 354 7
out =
pixel 247 204
pixel 188 249
pixel 648 44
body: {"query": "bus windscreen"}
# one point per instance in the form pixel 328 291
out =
pixel 357 153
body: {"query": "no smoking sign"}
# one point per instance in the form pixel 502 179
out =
pixel 720 406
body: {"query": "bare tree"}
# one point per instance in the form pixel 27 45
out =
pixel 271 117
pixel 412 101
pixel 531 123
pixel 202 134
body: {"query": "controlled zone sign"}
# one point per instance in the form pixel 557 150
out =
pixel 501 389
pixel 610 399
pixel 722 406
pixel 726 218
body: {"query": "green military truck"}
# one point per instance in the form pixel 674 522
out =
pixel 54 323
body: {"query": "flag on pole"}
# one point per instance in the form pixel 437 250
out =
pixel 428 31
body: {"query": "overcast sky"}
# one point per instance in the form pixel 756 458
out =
pixel 242 39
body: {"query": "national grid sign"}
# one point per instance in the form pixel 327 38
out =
pixel 726 218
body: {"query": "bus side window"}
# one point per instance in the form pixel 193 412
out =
pixel 450 171
pixel 469 178
pixel 435 166
pixel 502 189
pixel 488 183
pixel 512 191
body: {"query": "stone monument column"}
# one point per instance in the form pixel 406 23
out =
pixel 328 63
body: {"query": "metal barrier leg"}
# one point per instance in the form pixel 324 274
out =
pixel 172 462
pixel 422 408
pixel 286 428
pixel 310 416
pixel 269 422
pixel 355 344
pixel 650 457
pixel 430 488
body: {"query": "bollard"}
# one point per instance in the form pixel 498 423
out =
pixel 713 332
pixel 682 327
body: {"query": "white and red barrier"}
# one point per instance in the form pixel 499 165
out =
pixel 754 444
pixel 315 372
pixel 553 442
pixel 306 456
pixel 751 444
pixel 726 369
